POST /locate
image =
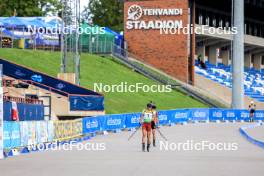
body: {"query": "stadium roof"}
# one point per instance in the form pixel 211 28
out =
pixel 253 8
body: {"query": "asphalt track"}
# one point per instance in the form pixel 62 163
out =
pixel 125 158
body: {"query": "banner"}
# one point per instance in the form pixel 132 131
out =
pixel 164 117
pixel 230 114
pixel 85 103
pixel 67 129
pixel 11 135
pixel 216 114
pixel 132 120
pixel 50 130
pixel 259 115
pixel 115 121
pixel 41 132
pixel 93 124
pixel 24 133
pixel 31 133
pixel 1 118
pixel 200 114
pixel 179 116
pixel 26 112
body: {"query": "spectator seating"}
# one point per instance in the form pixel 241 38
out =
pixel 253 79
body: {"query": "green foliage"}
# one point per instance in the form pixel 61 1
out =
pixel 28 7
pixel 107 13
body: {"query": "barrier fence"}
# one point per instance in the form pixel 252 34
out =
pixel 243 132
pixel 169 117
pixel 26 133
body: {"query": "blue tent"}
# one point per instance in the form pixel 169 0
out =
pixel 10 34
pixel 54 24
pixel 40 23
pixel 14 22
pixel 37 23
pixel 111 31
pixel 1 24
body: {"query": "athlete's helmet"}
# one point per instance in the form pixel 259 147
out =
pixel 252 102
pixel 153 105
pixel 149 105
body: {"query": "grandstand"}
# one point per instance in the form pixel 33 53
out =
pixel 216 50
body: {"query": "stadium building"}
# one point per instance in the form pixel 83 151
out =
pixel 172 34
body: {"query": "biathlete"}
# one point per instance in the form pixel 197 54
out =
pixel 252 109
pixel 154 123
pixel 146 118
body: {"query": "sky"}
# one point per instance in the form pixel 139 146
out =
pixel 83 3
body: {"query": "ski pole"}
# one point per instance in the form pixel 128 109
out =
pixel 162 135
pixel 134 132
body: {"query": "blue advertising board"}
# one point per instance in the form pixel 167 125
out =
pixel 132 120
pixel 93 124
pixel 115 121
pixel 200 114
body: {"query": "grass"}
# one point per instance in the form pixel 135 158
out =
pixel 95 69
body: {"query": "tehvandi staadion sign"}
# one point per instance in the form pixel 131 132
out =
pixel 136 12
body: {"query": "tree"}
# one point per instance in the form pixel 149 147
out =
pixel 108 13
pixel 28 7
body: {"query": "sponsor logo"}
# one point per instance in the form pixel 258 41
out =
pixel 135 120
pixel 199 114
pixel 134 12
pixel 60 86
pixel 217 114
pixel 244 114
pixel 36 78
pixel 230 114
pixel 163 117
pixel 179 115
pixel 111 122
pixel 92 124
pixel 20 73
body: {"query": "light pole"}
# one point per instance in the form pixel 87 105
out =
pixel 238 56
